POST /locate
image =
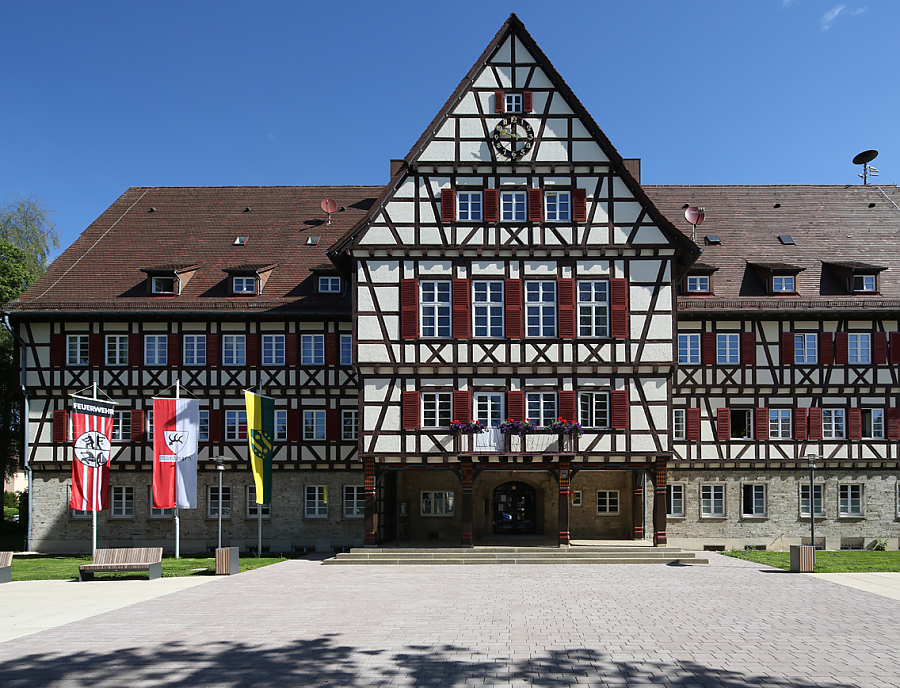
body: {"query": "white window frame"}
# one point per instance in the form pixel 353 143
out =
pixel 675 500
pixel 314 425
pixel 851 500
pixel 234 349
pixel 541 408
pixel 818 499
pixel 354 503
pixel 312 349
pixel 872 423
pixel 121 501
pixel 159 284
pixel 865 283
pixel 712 500
pixel 121 428
pixel 273 349
pixel 757 494
pixel 576 498
pixel 203 429
pixel 469 206
pixel 77 349
pixel 540 309
pixel 806 348
pixel 689 348
pixel 194 353
pixel 115 350
pixel 437 410
pixel 698 284
pixel 748 424
pixel 780 424
pixel 437 503
pixel 346 343
pixel 679 424
pixel 607 502
pixel 558 206
pixel 593 308
pixel 234 421
pixel 156 349
pixel 488 320
pixel 514 206
pixel 212 501
pixel 593 410
pixel 784 284
pixel 512 102
pixel 148 422
pixel 436 309
pixel 281 423
pixel 315 501
pixel 859 347
pixel 728 348
pixel 349 424
pixel 834 425
pixel 329 284
pixel 251 506
pixel 243 285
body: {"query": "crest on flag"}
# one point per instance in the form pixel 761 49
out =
pixel 92 448
pixel 178 442
pixel 261 443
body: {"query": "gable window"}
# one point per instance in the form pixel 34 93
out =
pixel 235 426
pixel 354 501
pixel 784 283
pixel 727 348
pixel 281 425
pixel 817 500
pixel 487 308
pixel 316 501
pixel 162 285
pixel 437 504
pixel 558 206
pixel 832 423
pixel 806 348
pixel 122 502
pixel 864 283
pixel 607 502
pixel 873 423
pixel 513 102
pixel 593 308
pixel 155 349
pixel 234 349
pixel 780 424
pixel 437 409
pixel 312 349
pixel 540 309
pixel 121 429
pixel 243 285
pixel 753 502
pixel 314 425
pixel 329 285
pixel 252 506
pixel 594 408
pixel 859 348
pixel 77 349
pixel 689 348
pixel 513 206
pixel 194 349
pixel 349 424
pixel 698 284
pixel 712 500
pixel 541 407
pixel 435 309
pixel 216 501
pixel 116 349
pixel 469 206
pixel 850 500
pixel 346 349
pixel 273 349
pixel 741 424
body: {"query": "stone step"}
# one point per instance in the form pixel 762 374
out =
pixel 559 554
pixel 516 555
pixel 503 550
pixel 467 561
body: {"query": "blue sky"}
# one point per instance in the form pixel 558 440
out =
pixel 100 96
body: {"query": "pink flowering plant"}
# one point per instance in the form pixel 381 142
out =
pixel 566 427
pixel 469 427
pixel 517 427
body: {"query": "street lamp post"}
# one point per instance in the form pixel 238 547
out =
pixel 812 503
pixel 220 469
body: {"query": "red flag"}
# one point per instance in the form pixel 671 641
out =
pixel 92 422
pixel 176 427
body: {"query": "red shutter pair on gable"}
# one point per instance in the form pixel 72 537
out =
pixel 500 101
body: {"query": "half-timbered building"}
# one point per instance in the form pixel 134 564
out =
pixel 515 273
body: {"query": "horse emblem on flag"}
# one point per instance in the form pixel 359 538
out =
pixel 92 448
pixel 178 443
pixel 261 443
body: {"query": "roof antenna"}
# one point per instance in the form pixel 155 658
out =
pixel 864 159
pixel 695 216
pixel 329 206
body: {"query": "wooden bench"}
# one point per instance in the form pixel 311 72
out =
pixel 5 567
pixel 147 559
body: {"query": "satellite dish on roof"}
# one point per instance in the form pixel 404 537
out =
pixel 864 159
pixel 329 205
pixel 695 215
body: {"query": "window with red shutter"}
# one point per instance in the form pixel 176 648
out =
pixel 800 430
pixel 567 405
pixel 826 348
pixel 692 423
pixel 137 426
pixel 748 348
pixel 787 348
pixel 409 308
pixel 815 423
pixel 410 410
pixel 60 426
pixel 893 424
pixel 331 348
pixel 515 321
pixel 566 316
pixel 723 424
pixel 535 205
pixel 212 351
pixel 841 348
pixel 461 301
pixel 294 424
pixel 579 205
pixel 527 101
pixel 618 403
pixel 879 348
pixel 448 205
pixel 499 101
pixel 854 424
pixel 461 408
pixel 491 205
pixel 762 423
pixel 515 405
pixel 708 348
pixel 618 306
pixel 57 350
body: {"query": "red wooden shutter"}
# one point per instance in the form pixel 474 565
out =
pixel 212 353
pixel 618 413
pixel 461 409
pixel 815 423
pixel 332 425
pixel 135 350
pixel 448 205
pixel 491 205
pixel 57 350
pixel 499 101
pixel 215 421
pixel 579 205
pixel 893 423
pixel 879 348
pixel 331 349
pixel 409 308
pixel 173 346
pixel 515 405
pixel 410 410
pixel 800 431
pixel 293 425
pixel 708 348
pixel 290 349
pixel 787 348
pixel 826 348
pixel 460 288
pixel 95 350
pixel 841 348
pixel 527 101
pixel 748 348
pixel 515 320
pixel 895 347
pixel 854 424
pixel 567 405
pixel 723 424
pixel 566 290
pixel 762 423
pixel 60 426
pixel 692 424
pixel 137 426
pixel 252 349
pixel 535 205
pixel 618 306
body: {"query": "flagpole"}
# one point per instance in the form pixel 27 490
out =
pixel 96 491
pixel 258 528
pixel 177 518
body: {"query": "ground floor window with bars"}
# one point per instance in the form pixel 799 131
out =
pixel 122 501
pixel 354 501
pixel 437 503
pixel 316 501
pixel 607 502
pixel 214 499
pixel 712 501
pixel 753 500
pixel 252 506
pixel 594 408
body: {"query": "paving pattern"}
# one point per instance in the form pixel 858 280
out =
pixel 731 623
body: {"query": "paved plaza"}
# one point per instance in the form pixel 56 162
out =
pixel 731 623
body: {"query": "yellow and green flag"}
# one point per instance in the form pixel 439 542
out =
pixel 261 434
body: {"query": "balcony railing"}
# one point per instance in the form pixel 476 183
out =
pixel 495 442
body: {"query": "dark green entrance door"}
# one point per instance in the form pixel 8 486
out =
pixel 514 509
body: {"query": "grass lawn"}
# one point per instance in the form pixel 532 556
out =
pixel 829 562
pixel 57 567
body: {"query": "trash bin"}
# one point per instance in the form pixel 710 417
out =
pixel 803 558
pixel 228 561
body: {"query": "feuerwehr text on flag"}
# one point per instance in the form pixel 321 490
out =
pixel 92 422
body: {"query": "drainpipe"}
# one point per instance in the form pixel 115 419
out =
pixel 26 417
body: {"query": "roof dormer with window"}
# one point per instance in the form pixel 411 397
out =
pixel 168 280
pixel 858 278
pixel 247 280
pixel 780 278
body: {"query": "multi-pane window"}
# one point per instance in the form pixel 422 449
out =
pixel 435 309
pixel 314 425
pixel 675 500
pixel 850 500
pixel 806 348
pixel 513 102
pixel 593 308
pixel 779 424
pixel 753 500
pixel 513 206
pixel 832 423
pixel 194 349
pixel 728 348
pixel 437 409
pixel 859 348
pixel 349 424
pixel 162 285
pixel 281 425
pixel 689 348
pixel 607 502
pixel 487 308
pixel 116 349
pixel 469 206
pixel 315 503
pixel 122 501
pixel 354 501
pixel 243 285
pixel 155 349
pixel 77 349
pixel 594 407
pixel 121 428
pixel 329 285
pixel 679 424
pixel 214 500
pixel 273 349
pixel 712 500
pixel 312 349
pixel 346 349
pixel 698 283
pixel 873 423
pixel 782 283
pixel 558 206
pixel 437 503
pixel 540 308
pixel 818 491
pixel 864 283
pixel 541 407
pixel 235 426
pixel 234 349
pixel 203 430
pixel 252 506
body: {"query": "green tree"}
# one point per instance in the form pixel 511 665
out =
pixel 25 223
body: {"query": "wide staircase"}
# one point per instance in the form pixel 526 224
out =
pixel 595 554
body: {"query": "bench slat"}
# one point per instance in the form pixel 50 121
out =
pixel 5 559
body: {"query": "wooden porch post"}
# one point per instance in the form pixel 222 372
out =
pixel 637 504
pixel 659 503
pixel 371 506
pixel 467 506
pixel 564 538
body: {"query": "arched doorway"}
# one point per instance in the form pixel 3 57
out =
pixel 514 509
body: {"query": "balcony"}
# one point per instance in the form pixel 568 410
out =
pixel 493 441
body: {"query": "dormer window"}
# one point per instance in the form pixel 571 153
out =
pixel 857 277
pixel 329 284
pixel 699 279
pixel 162 285
pixel 698 284
pixel 249 279
pixel 243 285
pixel 783 283
pixel 780 278
pixel 168 280
pixel 865 283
